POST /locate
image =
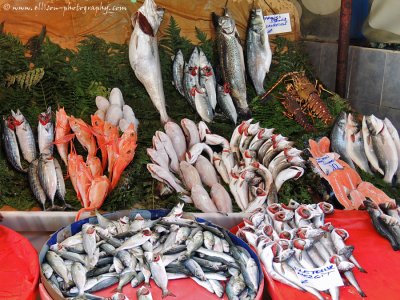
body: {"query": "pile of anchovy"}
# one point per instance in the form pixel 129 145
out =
pixel 133 251
pixel 296 236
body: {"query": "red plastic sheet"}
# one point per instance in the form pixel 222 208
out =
pixel 372 251
pixel 19 267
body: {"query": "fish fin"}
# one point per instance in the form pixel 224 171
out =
pixel 64 139
pixel 144 24
pixel 167 293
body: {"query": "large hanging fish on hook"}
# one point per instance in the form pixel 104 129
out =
pixel 143 53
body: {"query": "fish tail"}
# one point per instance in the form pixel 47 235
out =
pixel 166 293
pixel 362 294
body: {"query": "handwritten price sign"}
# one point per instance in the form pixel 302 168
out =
pixel 278 23
pixel 320 278
pixel 328 164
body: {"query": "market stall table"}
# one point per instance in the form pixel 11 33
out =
pixel 372 251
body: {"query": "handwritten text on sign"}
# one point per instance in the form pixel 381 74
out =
pixel 320 278
pixel 328 164
pixel 278 23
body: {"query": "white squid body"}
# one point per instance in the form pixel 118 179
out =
pixel 144 58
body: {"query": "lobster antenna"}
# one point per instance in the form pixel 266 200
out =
pixel 278 82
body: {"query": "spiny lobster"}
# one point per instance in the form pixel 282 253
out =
pixel 308 96
pixel 289 100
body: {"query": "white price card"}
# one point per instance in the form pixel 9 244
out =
pixel 279 23
pixel 322 278
pixel 328 164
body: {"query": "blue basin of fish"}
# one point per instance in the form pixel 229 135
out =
pixel 75 227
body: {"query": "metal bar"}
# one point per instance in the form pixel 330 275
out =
pixel 343 47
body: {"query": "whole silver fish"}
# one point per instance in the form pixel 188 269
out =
pixel 225 102
pixel 355 144
pixel 35 185
pixel 384 147
pixel 25 136
pixel 60 192
pixel 11 144
pixel 338 139
pixel 191 77
pixel 177 72
pixel 195 269
pixel 57 263
pixel 45 132
pixel 203 105
pixel 78 272
pixel 368 147
pixel 143 53
pixel 207 78
pixel 160 275
pixel 48 176
pixel 232 62
pixel 396 139
pixel 259 54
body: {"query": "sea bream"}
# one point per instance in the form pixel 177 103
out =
pixel 231 60
pixel 384 147
pixel 259 54
pixel 395 135
pixel 178 65
pixel 25 136
pixel 143 53
pixel 338 139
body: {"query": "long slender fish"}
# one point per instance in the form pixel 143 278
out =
pixel 35 185
pixel 143 53
pixel 259 54
pixel 11 144
pixel 25 136
pixel 207 78
pixel 225 102
pixel 177 72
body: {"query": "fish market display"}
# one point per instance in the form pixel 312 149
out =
pixel 373 145
pixel 346 183
pixel 293 236
pixel 128 252
pixel 259 54
pixel 304 93
pixel 45 180
pixel 231 59
pixel 87 176
pixel 115 111
pixel 196 163
pixel 143 53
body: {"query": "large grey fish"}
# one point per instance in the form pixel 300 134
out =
pixel 259 54
pixel 45 132
pixel 207 78
pixel 203 105
pixel 384 147
pixel 338 139
pixel 226 104
pixel 48 176
pixel 35 185
pixel 355 144
pixel 143 53
pixel 177 72
pixel 25 136
pixel 232 61
pixel 396 139
pixel 11 144
pixel 368 147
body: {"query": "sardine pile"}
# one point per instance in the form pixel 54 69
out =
pixel 254 164
pixel 133 251
pixel 195 80
pixel 115 111
pixel 296 236
pixel 44 173
pixel 386 220
pixel 373 146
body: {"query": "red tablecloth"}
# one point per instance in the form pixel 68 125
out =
pixel 19 267
pixel 372 251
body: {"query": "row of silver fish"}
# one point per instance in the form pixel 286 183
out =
pixel 44 172
pixel 296 236
pixel 195 80
pixel 131 252
pixel 373 145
